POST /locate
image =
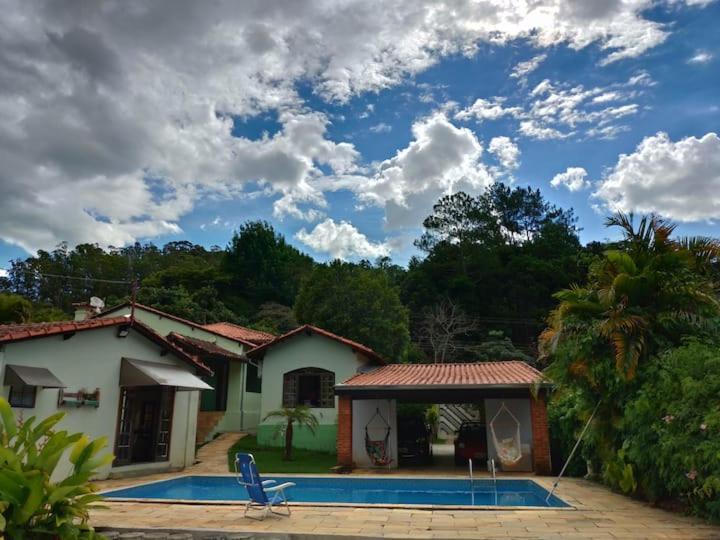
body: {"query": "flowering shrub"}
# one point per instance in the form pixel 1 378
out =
pixel 672 429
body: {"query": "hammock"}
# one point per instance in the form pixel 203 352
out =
pixel 508 449
pixel 377 450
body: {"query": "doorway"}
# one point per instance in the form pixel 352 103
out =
pixel 144 424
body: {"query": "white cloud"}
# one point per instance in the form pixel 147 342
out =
pixel 700 57
pixel 341 241
pixel 523 69
pixel 441 159
pixel 117 116
pixel 555 110
pixel 506 152
pixel 3 273
pixel 679 180
pixel 382 127
pixel 483 109
pixel 574 179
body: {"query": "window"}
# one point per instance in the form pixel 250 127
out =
pixel 311 386
pixel 252 382
pixel 22 396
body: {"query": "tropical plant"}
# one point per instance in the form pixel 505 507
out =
pixel 603 338
pixel 33 504
pixel 300 415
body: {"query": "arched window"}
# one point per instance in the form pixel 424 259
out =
pixel 313 387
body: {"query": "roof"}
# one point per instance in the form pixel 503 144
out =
pixel 235 331
pixel 513 373
pixel 11 333
pixel 17 332
pixel 200 346
pixel 310 329
pixel 173 318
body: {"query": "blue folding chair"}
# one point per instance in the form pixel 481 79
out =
pixel 258 489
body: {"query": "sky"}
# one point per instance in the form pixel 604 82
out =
pixel 342 122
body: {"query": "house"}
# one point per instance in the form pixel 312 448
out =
pixel 233 404
pixel 302 367
pixel 114 377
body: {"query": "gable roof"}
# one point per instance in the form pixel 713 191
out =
pixel 235 331
pixel 310 329
pixel 514 373
pixel 173 318
pixel 200 346
pixel 11 333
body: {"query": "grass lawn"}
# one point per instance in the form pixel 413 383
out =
pixel 269 459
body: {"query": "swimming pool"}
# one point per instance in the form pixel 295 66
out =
pixel 353 490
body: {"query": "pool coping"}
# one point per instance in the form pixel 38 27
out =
pixel 408 506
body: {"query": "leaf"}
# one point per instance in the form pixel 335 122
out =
pixel 8 418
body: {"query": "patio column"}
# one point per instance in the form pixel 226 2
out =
pixel 540 435
pixel 344 432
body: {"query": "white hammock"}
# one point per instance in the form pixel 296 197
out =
pixel 508 449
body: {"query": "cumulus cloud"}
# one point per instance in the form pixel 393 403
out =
pixel 381 127
pixel 441 159
pixel 506 152
pixel 341 241
pixel 679 180
pixel 484 109
pixel 574 179
pixel 116 116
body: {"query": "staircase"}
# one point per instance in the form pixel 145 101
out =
pixel 451 416
pixel 206 422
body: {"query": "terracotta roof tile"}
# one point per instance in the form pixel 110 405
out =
pixel 308 328
pixel 510 373
pixel 18 332
pixel 235 331
pixel 200 346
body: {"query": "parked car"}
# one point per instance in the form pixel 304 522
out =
pixel 414 441
pixel 471 442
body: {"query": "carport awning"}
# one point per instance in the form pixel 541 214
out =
pixel 31 376
pixel 143 373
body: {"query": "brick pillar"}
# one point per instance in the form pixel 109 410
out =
pixel 540 435
pixel 344 432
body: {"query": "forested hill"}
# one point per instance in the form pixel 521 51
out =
pixel 489 266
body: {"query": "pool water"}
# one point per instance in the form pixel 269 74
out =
pixel 354 490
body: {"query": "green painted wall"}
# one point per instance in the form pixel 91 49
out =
pixel 304 351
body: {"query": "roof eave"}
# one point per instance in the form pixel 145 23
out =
pixel 349 388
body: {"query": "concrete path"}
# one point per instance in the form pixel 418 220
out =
pixel 212 456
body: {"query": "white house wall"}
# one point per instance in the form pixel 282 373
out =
pixel 363 411
pixel 91 359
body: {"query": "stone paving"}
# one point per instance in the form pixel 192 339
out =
pixel 598 513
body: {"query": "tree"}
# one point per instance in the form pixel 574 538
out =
pixel 202 306
pixel 603 338
pixel 14 309
pixel 357 302
pixel 300 415
pixel 274 318
pixel 262 267
pixel 443 327
pixel 496 348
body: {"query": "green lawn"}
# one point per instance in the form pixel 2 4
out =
pixel 269 459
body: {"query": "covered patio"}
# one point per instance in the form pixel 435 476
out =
pixel 513 390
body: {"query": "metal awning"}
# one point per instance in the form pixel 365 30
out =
pixel 143 373
pixel 31 376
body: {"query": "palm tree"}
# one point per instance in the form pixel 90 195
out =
pixel 300 415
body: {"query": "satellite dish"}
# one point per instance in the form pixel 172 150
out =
pixel 97 303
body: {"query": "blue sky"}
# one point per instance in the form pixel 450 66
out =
pixel 349 175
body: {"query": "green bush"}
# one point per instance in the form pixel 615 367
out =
pixel 32 506
pixel 672 429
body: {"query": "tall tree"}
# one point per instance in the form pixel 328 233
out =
pixel 357 302
pixel 262 267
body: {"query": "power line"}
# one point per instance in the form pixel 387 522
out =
pixel 77 278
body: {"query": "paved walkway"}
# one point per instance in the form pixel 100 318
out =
pixel 598 513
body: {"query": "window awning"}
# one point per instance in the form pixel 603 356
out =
pixel 143 373
pixel 31 376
